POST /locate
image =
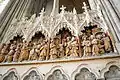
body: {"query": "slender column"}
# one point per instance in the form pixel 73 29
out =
pixel 107 19
pixel 27 8
pixel 114 18
pixel 8 20
pixel 5 12
pixel 22 10
pixel 5 20
pixel 111 23
pixel 92 4
pixel 22 2
pixel 115 7
pixel 55 9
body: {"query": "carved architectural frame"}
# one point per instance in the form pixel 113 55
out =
pixel 32 69
pixel 9 71
pixel 56 68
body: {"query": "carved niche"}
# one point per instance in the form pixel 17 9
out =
pixel 85 74
pixel 33 75
pixel 113 73
pixel 11 76
pixel 57 75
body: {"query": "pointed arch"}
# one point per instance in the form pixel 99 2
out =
pixel 84 70
pixel 56 72
pixel 11 74
pixel 108 66
pixel 113 73
pixel 37 36
pixel 32 74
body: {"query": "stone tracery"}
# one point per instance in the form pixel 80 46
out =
pixel 32 76
pixel 85 74
pixel 57 75
pixel 113 73
pixel 10 75
pixel 90 40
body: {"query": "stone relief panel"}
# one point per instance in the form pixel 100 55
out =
pixel 85 74
pixel 56 74
pixel 10 75
pixel 32 74
pixel 113 73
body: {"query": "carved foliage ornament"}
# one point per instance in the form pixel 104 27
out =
pixel 50 25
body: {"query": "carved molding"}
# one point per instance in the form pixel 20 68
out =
pixel 50 25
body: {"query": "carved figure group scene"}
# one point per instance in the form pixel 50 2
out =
pixel 92 42
pixel 56 37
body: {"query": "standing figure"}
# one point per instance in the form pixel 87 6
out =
pixel 107 44
pixel 24 55
pixel 75 49
pixel 43 51
pixel 95 47
pixel 87 47
pixel 1 55
pixel 69 50
pixel 17 53
pixel 61 51
pixel 1 47
pixel 100 44
pixel 4 52
pixel 53 51
pixel 9 56
pixel 33 54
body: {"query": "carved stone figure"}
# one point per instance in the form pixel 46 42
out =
pixel 17 53
pixel 1 47
pixel 61 51
pixel 33 54
pixel 107 44
pixel 31 45
pixel 9 56
pixel 11 76
pixel 69 50
pixel 4 52
pixel 24 55
pixel 43 51
pixel 87 47
pixel 75 49
pixel 100 44
pixel 68 47
pixel 95 46
pixel 53 51
pixel 1 55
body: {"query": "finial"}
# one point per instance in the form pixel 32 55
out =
pixel 63 8
pixel 74 11
pixel 42 11
pixel 85 7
